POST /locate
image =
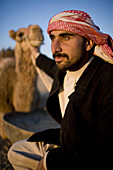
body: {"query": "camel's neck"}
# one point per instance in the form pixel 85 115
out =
pixel 24 66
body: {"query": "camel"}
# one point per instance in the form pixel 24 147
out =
pixel 21 88
pixel 18 76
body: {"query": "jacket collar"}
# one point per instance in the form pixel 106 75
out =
pixel 81 87
pixel 84 80
pixel 88 74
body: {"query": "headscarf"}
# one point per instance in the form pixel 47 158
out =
pixel 79 22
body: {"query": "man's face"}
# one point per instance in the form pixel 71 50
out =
pixel 68 49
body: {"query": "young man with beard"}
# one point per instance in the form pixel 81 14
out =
pixel 81 99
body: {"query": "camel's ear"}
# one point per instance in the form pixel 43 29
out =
pixel 12 34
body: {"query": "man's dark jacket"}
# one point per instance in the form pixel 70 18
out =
pixel 85 138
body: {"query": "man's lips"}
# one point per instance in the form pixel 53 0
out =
pixel 59 59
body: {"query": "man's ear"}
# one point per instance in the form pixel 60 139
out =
pixel 89 44
pixel 12 34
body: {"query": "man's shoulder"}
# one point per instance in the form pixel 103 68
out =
pixel 104 74
pixel 103 66
pixel 106 69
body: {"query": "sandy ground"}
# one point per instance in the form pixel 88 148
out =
pixel 4 147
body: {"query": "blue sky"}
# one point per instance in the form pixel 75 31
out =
pixel 15 14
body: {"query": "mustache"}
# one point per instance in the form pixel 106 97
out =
pixel 60 55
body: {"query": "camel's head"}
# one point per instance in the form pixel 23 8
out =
pixel 33 34
pixel 18 36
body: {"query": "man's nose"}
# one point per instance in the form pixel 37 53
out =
pixel 56 46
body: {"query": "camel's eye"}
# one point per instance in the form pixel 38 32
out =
pixel 20 34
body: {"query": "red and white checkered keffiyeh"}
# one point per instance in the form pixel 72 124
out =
pixel 79 22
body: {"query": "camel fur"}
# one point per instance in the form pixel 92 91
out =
pixel 18 77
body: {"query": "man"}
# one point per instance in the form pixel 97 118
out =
pixel 81 99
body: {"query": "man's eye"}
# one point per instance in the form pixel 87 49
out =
pixel 52 38
pixel 66 37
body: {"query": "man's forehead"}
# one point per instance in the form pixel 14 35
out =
pixel 61 32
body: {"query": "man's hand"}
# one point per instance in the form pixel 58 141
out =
pixel 34 50
pixel 41 165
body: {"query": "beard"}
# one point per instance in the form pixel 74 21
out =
pixel 72 63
